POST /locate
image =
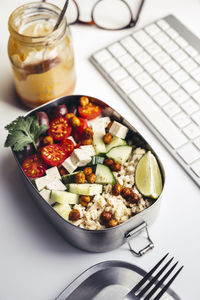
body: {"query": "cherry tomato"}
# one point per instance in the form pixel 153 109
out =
pixel 78 131
pixel 53 155
pixel 60 128
pixel 90 111
pixel 78 145
pixel 68 146
pixel 33 166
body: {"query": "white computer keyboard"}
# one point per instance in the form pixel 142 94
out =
pixel 157 72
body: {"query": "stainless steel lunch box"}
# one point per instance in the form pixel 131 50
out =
pixel 110 238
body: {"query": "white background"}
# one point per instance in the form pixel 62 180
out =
pixel 35 262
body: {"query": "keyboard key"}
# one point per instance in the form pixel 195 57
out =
pixel 152 29
pixel 171 109
pixel 170 86
pixel 190 86
pixel 182 120
pixel 196 117
pixel 188 64
pixel 158 119
pixel 134 69
pixel 152 88
pixel 152 66
pixel 143 78
pixel 191 51
pixel 110 65
pixel 102 56
pixel 118 74
pixel 196 74
pixel 143 57
pixel 117 50
pixel 153 48
pixel 143 38
pixel 131 45
pixel 171 67
pixel 197 59
pixel 180 96
pixel 162 58
pixel 197 142
pixel 162 98
pixel 196 96
pixel 170 46
pixel 163 24
pixel 126 60
pixel 196 167
pixel 172 33
pixel 179 55
pixel 180 76
pixel 128 85
pixel 161 76
pixel 189 153
pixel 161 38
pixel 192 131
pixel 190 107
pixel 181 42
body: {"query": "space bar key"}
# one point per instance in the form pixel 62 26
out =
pixel 158 119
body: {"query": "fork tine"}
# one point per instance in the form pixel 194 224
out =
pixel 146 277
pixel 168 284
pixel 160 282
pixel 146 288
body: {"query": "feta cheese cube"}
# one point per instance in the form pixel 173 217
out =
pixel 70 165
pixel 118 130
pixel 53 173
pixel 89 149
pixel 56 185
pixel 82 157
pixel 41 182
pixel 91 122
pixel 100 124
pixel 72 139
pixel 46 195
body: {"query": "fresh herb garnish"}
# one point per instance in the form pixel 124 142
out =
pixel 22 132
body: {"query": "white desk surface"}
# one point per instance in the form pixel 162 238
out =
pixel 35 262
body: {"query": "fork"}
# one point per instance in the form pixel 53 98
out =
pixel 136 294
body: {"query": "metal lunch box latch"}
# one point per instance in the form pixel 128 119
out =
pixel 135 231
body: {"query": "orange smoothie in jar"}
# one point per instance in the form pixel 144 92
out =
pixel 42 59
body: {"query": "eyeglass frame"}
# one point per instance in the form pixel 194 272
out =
pixel 131 24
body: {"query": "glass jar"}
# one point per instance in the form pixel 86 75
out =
pixel 42 59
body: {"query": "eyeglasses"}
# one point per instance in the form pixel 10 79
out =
pixel 105 14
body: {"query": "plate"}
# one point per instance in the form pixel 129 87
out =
pixel 107 280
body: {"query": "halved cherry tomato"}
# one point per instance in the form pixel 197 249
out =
pixel 53 155
pixel 90 111
pixel 67 145
pixel 78 131
pixel 33 166
pixel 60 128
pixel 78 145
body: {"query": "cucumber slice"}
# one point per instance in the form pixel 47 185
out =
pixel 64 197
pixel 116 141
pixel 104 175
pixel 69 178
pixel 96 160
pixel 120 153
pixel 63 210
pixel 85 189
pixel 98 143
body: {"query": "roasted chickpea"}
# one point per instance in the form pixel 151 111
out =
pixel 133 198
pixel 84 101
pixel 79 177
pixel 126 192
pixel 88 133
pixel 62 171
pixel 84 200
pixel 69 116
pixel 107 138
pixel 108 162
pixel 74 215
pixel 105 217
pixel 87 171
pixel 116 167
pixel 47 140
pixel 113 223
pixel 91 178
pixel 87 142
pixel 117 188
pixel 109 125
pixel 75 122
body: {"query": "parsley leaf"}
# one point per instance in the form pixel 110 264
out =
pixel 22 132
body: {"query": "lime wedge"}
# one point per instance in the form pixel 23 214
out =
pixel 148 178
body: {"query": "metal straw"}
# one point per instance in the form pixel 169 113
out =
pixel 60 18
